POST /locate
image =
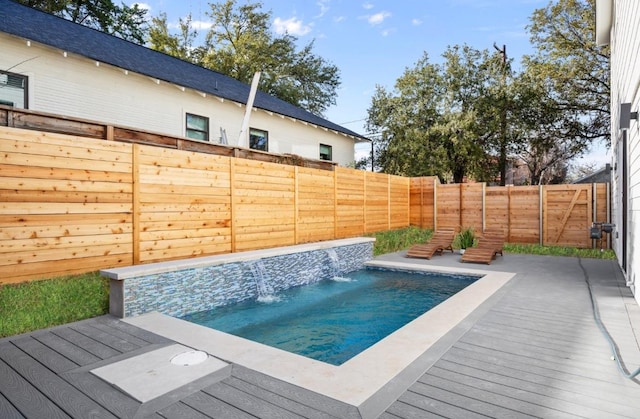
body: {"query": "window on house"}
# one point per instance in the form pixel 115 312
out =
pixel 258 139
pixel 13 89
pixel 325 152
pixel 197 127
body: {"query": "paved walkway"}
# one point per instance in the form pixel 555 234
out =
pixel 532 350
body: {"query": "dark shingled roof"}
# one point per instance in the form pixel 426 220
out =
pixel 25 22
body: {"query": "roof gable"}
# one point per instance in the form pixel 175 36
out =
pixel 32 24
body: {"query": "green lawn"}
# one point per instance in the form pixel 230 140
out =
pixel 39 304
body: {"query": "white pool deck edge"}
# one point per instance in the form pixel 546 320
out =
pixel 356 381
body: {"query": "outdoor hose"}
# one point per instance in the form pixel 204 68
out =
pixel 596 316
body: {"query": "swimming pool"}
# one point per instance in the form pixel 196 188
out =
pixel 333 320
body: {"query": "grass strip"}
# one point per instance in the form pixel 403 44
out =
pixel 40 304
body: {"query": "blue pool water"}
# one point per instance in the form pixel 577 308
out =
pixel 334 320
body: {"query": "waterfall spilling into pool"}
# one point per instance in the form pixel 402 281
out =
pixel 180 287
pixel 264 288
pixel 334 266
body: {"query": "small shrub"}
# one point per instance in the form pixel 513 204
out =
pixel 465 239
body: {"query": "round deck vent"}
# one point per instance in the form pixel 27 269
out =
pixel 189 358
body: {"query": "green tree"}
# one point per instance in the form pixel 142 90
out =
pixel 432 123
pixel 575 70
pixel 126 22
pixel 180 45
pixel 241 43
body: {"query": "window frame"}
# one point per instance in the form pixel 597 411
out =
pixel 188 129
pixel 265 136
pixel 25 89
pixel 329 155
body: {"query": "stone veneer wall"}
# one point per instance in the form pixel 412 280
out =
pixel 185 291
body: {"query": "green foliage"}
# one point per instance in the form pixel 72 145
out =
pixel 464 239
pixel 126 22
pixel 536 249
pixel 576 71
pixel 240 43
pixel 396 240
pixel 39 304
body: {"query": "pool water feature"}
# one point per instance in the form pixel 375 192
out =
pixel 333 320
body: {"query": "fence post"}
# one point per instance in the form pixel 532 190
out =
pixel 295 205
pixel 484 206
pixel 135 207
pixel 541 215
pixel 232 171
pixel 435 205
pixel 594 209
pixel 335 203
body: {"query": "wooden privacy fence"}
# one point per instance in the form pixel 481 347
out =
pixel 546 214
pixel 71 204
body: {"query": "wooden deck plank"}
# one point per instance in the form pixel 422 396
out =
pixel 23 396
pixel 118 403
pixel 181 411
pixel 45 355
pixel 434 406
pixel 537 357
pixel 7 410
pixel 509 369
pixel 304 396
pixel 96 348
pixel 213 407
pixel 540 346
pixel 120 334
pixel 65 348
pixel 67 397
pixel 277 400
pixel 248 402
pixel 107 339
pixel 130 330
pixel 541 393
pixel 480 402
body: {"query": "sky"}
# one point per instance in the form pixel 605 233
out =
pixel 372 42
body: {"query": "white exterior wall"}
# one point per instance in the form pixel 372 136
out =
pixel 625 86
pixel 77 87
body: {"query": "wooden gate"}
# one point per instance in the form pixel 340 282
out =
pixel 568 212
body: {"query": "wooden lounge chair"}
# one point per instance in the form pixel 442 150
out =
pixel 489 245
pixel 440 242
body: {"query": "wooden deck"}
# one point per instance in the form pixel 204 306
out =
pixel 536 352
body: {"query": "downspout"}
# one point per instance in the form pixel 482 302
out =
pixel 243 138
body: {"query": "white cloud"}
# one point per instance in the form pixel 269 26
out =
pixel 378 18
pixel 387 32
pixel 292 26
pixel 367 6
pixel 416 22
pixel 324 7
pixel 201 24
pixel 339 19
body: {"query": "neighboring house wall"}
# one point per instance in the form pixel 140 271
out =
pixel 76 86
pixel 624 41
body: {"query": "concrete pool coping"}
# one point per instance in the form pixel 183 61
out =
pixel 370 380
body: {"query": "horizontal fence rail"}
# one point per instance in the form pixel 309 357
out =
pixel 72 204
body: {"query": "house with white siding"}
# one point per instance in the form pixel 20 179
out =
pixel 618 25
pixel 52 65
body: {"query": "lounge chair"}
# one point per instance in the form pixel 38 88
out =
pixel 440 242
pixel 489 245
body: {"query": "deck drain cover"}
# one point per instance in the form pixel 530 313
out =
pixel 189 358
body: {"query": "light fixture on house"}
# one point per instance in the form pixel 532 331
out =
pixel 626 115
